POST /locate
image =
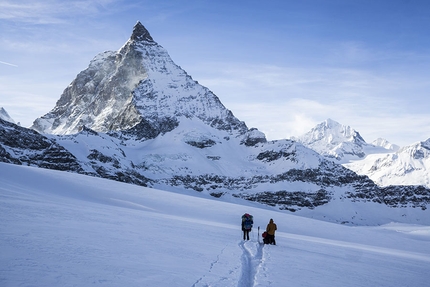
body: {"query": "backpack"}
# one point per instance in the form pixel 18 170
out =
pixel 247 221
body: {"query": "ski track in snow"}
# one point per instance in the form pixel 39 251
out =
pixel 251 262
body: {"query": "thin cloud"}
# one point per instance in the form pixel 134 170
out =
pixel 30 12
pixel 50 12
pixel 9 64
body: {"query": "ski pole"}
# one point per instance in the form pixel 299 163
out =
pixel 258 234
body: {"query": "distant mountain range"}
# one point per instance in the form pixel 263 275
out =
pixel 135 116
pixel 342 143
pixel 410 165
pixel 385 163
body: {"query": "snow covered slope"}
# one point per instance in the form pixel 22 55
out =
pixel 65 229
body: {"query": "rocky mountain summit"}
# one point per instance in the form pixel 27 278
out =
pixel 135 116
pixel 137 89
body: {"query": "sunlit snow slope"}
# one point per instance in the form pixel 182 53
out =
pixel 65 229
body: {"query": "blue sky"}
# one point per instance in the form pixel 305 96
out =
pixel 280 66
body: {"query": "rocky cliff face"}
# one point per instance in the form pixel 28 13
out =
pixel 26 147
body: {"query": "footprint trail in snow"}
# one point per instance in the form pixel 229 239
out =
pixel 252 259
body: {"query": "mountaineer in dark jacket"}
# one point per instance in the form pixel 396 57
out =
pixel 247 222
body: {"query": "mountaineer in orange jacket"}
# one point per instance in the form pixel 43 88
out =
pixel 270 229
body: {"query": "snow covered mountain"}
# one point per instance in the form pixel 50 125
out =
pixel 341 143
pixel 134 116
pixel 5 116
pixel 283 174
pixel 410 165
pixel 137 88
pixel 383 162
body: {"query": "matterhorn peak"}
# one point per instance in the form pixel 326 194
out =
pixel 138 90
pixel 140 33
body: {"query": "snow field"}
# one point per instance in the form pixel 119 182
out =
pixel 65 229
